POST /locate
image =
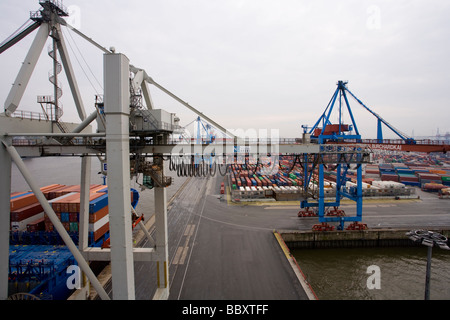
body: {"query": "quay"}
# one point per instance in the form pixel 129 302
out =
pixel 297 239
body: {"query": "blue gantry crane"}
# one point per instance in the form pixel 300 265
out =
pixel 345 140
pixel 323 132
pixel 209 136
pixel 337 132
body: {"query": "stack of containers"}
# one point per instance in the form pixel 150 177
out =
pixel 387 172
pixel 430 181
pixel 444 174
pixel 27 214
pixel 25 208
pixel 399 165
pixel 407 176
pixel 372 171
pixel 67 208
pixel 330 175
pixel 427 177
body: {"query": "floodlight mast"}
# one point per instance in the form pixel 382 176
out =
pixel 428 239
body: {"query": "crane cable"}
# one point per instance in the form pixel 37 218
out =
pixel 18 31
pixel 79 63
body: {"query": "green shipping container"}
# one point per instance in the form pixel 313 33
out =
pixel 73 226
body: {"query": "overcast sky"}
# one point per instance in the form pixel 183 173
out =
pixel 254 64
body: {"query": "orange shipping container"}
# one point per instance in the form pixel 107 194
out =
pixel 74 204
pixel 438 171
pixel 94 217
pixel 29 199
pixel 101 231
pixel 58 203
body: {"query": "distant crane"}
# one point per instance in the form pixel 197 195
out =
pixel 208 130
pixel 340 133
pixel 334 133
pixel 325 132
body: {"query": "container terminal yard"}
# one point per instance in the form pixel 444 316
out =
pixel 193 218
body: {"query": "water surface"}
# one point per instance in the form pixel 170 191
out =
pixel 341 274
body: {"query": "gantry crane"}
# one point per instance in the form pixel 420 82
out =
pixel 341 133
pixel 324 132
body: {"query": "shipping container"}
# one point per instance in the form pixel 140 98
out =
pixel 389 177
pixel 28 198
pixel 26 212
pixel 36 225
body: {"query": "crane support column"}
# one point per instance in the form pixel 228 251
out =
pixel 321 193
pixel 359 193
pixel 117 110
pixel 5 191
pixel 162 249
pixel 21 82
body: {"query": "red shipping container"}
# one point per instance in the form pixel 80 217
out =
pixel 37 225
pixel 410 179
pixel 26 212
pixel 389 177
pixel 66 226
pixel 49 226
pixel 73 216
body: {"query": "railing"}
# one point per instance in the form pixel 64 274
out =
pixel 244 140
pixel 30 115
pixel 55 4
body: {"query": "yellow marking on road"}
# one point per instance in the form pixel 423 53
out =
pixel 176 259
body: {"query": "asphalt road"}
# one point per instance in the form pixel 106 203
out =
pixel 216 252
pixel 223 251
pixel 232 257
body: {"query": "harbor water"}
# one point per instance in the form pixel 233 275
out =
pixel 349 273
pixel 53 170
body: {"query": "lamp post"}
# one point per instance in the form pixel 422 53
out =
pixel 429 239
